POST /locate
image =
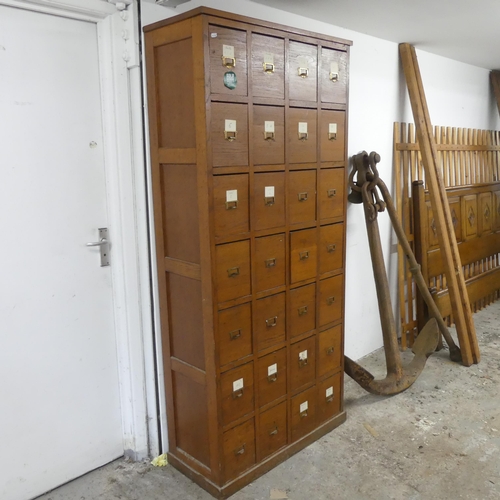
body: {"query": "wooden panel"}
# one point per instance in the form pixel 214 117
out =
pixel 235 333
pixel 303 421
pixel 230 216
pixel 301 143
pixel 303 255
pixel 332 144
pixel 191 417
pixel 331 193
pixel 180 213
pixel 333 89
pixel 185 320
pixel 302 61
pixel 237 393
pixel 271 377
pixel 302 310
pixel 219 37
pixel 496 208
pixel 331 299
pixel 268 81
pixel 302 363
pixel 268 148
pixel 272 430
pixel 269 321
pixel 239 449
pixel 329 397
pixel 269 212
pixel 269 264
pixel 331 248
pixel 329 350
pixel 469 216
pixel 302 196
pixel 174 84
pixel 233 270
pixel 228 151
pixel 486 214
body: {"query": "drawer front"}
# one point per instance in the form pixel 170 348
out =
pixel 231 209
pixel 239 449
pixel 303 363
pixel 331 293
pixel 269 200
pixel 301 129
pixel 268 135
pixel 469 216
pixel 269 321
pixel 303 255
pixel 268 66
pixel 332 138
pixel 233 270
pixel 229 134
pixel 331 247
pixel 303 71
pixel 329 397
pixel 333 76
pixel 329 350
pixel 235 333
pixel 272 430
pixel 302 310
pixel 303 410
pixel 485 213
pixel 271 377
pixel 331 193
pixel 269 263
pixel 302 196
pixel 237 393
pixel 228 61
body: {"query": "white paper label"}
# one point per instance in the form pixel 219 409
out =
pixel 232 195
pixel 303 355
pixel 269 191
pixel 268 126
pixel 230 125
pixel 332 128
pixel 228 51
pixel 303 407
pixel 302 127
pixel 334 67
pixel 303 62
pixel 272 369
pixel 213 35
pixel 329 392
pixel 237 385
pixel 268 58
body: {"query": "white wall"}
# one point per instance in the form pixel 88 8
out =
pixel 458 95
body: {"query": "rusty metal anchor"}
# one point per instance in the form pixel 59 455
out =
pixel 399 377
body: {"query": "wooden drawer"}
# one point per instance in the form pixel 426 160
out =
pixel 329 350
pixel 233 270
pixel 301 196
pixel 229 133
pixel 332 135
pixel 469 216
pixel 301 130
pixel 302 79
pixel 268 135
pixel 235 333
pixel 269 264
pixel 231 212
pixel 303 409
pixel 329 397
pixel 271 377
pixel 303 255
pixel 331 247
pixel 268 66
pixel 269 321
pixel 302 310
pixel 237 393
pixel 331 293
pixel 485 213
pixel 239 449
pixel 331 193
pixel 333 76
pixel 303 363
pixel 272 430
pixel 269 209
pixel 228 42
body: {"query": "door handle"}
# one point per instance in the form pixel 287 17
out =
pixel 103 245
pixel 104 241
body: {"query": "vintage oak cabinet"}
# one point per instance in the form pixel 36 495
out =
pixel 248 125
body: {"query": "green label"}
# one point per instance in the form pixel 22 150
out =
pixel 230 80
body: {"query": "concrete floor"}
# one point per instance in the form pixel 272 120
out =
pixel 438 440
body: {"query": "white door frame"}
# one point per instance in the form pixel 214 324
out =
pixel 117 30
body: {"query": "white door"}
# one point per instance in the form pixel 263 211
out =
pixel 59 393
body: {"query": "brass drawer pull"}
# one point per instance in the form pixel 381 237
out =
pixel 233 271
pixel 269 200
pixel 268 67
pixel 303 362
pixel 237 394
pixel 302 310
pixel 274 432
pixel 304 255
pixel 303 414
pixel 303 136
pixel 330 300
pixel 231 205
pixel 269 136
pixel 303 72
pixel 330 350
pixel 240 451
pixel 334 76
pixel 330 399
pixel 230 136
pixel 302 196
pixel 331 193
pixel 270 262
pixel 272 378
pixel 235 334
pixel 229 62
pixel 331 248
pixel 332 136
pixel 271 322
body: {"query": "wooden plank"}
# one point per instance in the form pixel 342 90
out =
pixel 458 292
pixel 495 82
pixel 177 156
pixel 183 268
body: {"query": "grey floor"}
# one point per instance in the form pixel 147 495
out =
pixel 438 440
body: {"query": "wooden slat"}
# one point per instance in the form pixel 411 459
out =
pixel 193 373
pixel 182 268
